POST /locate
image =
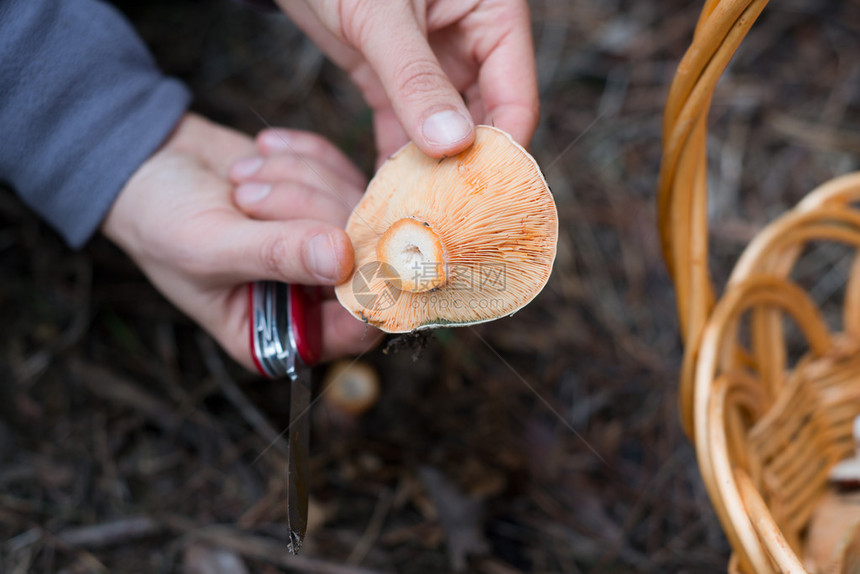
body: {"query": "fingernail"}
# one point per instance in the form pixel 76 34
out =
pixel 252 192
pixel 447 128
pixel 246 167
pixel 275 140
pixel 323 257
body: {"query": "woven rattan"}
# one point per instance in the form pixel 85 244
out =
pixel 768 422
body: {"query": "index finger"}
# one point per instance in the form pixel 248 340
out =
pixel 507 76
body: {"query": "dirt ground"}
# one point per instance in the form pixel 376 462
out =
pixel 547 442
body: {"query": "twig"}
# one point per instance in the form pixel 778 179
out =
pixel 664 473
pixel 551 43
pixel 815 135
pixel 109 533
pixel 461 516
pixel 237 398
pixel 263 508
pixel 259 548
pixel 371 533
pixel 113 388
pixel 193 429
pixel 39 362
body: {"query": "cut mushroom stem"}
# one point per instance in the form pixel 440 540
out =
pixel 415 252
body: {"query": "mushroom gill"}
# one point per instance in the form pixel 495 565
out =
pixel 455 241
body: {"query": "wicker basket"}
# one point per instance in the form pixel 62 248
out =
pixel 767 427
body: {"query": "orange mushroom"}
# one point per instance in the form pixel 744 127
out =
pixel 450 242
pixel 351 388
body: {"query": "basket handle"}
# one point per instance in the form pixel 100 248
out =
pixel 682 199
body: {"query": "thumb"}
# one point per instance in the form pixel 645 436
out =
pixel 297 251
pixel 428 106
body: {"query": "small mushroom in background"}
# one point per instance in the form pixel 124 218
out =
pixel 201 559
pixel 451 242
pixel 350 389
pixel 846 474
pixel 833 540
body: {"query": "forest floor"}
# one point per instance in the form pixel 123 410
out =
pixel 548 442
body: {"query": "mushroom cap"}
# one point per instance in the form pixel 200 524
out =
pixel 495 220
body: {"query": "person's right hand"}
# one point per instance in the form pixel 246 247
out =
pixel 412 60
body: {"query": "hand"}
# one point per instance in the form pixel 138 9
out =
pixel 177 219
pixel 413 58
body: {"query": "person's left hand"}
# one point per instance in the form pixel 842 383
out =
pixel 178 219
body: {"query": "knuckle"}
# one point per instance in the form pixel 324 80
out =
pixel 304 196
pixel 417 78
pixel 315 145
pixel 280 166
pixel 295 197
pixel 325 206
pixel 352 21
pixel 274 254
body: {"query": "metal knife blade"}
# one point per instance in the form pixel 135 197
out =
pixel 298 472
pixel 286 340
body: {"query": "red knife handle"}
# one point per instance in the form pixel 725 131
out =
pixel 306 321
pixel 285 327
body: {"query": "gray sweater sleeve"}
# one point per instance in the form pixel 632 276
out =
pixel 82 106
